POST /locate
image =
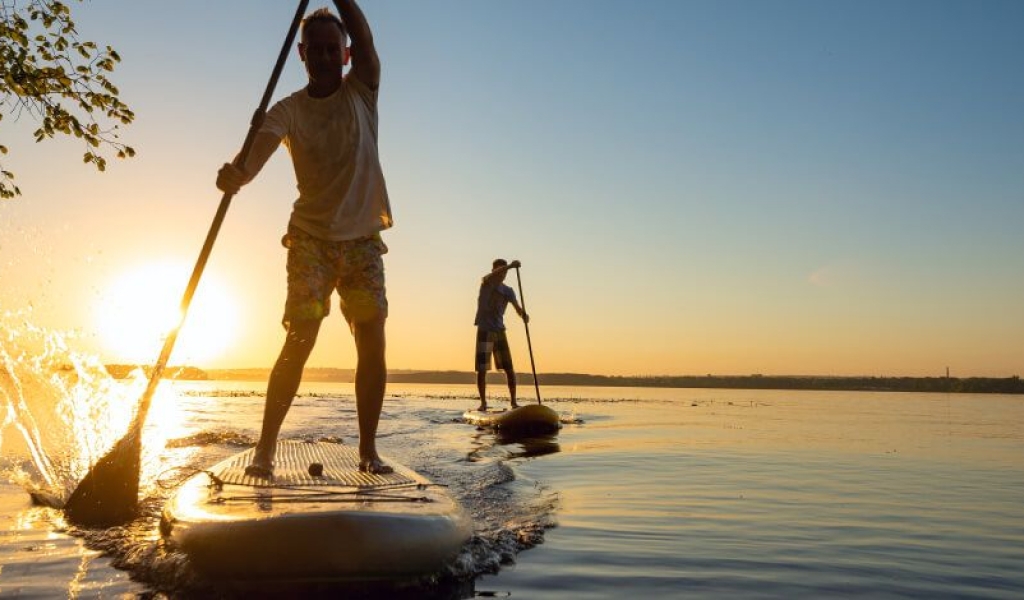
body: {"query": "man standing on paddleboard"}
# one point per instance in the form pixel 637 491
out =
pixel 333 239
pixel 491 303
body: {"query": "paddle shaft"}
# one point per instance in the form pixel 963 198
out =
pixel 529 344
pixel 129 447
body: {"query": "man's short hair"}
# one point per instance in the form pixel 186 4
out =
pixel 322 15
pixel 499 262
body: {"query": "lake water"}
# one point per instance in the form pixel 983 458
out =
pixel 644 493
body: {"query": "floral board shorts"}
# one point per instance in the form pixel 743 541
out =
pixel 316 268
pixel 492 343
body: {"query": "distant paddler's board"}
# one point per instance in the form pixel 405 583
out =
pixel 529 418
pixel 342 525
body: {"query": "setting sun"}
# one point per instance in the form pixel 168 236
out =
pixel 139 308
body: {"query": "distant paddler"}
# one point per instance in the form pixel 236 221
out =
pixel 493 299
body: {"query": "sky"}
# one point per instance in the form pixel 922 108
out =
pixel 693 187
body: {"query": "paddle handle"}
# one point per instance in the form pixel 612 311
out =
pixel 218 219
pixel 529 344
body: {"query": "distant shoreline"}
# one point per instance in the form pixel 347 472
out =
pixel 972 385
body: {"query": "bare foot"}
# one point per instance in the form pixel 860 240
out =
pixel 375 466
pixel 514 405
pixel 262 465
pixel 482 407
pixel 263 471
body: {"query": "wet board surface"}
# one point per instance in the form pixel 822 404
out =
pixel 291 468
pixel 342 525
pixel 532 418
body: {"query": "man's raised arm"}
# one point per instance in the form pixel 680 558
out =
pixel 365 62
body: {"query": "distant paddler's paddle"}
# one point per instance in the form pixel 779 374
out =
pixel 529 344
pixel 109 493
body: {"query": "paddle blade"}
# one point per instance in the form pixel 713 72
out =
pixel 109 494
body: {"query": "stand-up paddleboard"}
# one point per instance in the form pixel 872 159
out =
pixel 341 525
pixel 529 418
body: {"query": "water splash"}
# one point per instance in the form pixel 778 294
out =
pixel 61 409
pixel 18 416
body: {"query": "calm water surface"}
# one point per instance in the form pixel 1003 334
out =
pixel 650 493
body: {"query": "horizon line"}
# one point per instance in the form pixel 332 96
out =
pixel 946 375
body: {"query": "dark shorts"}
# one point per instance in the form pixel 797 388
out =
pixel 494 343
pixel 316 268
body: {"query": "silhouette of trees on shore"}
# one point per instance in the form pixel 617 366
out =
pixel 956 385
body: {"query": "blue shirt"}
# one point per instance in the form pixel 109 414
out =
pixel 491 304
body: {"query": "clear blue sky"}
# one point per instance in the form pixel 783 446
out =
pixel 791 187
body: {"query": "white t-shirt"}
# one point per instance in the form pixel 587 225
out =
pixel 333 145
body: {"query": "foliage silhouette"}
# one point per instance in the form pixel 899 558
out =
pixel 62 82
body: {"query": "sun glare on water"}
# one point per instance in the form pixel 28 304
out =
pixel 140 307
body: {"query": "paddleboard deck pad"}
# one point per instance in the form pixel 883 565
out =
pixel 529 418
pixel 341 524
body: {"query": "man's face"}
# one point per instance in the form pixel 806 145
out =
pixel 323 50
